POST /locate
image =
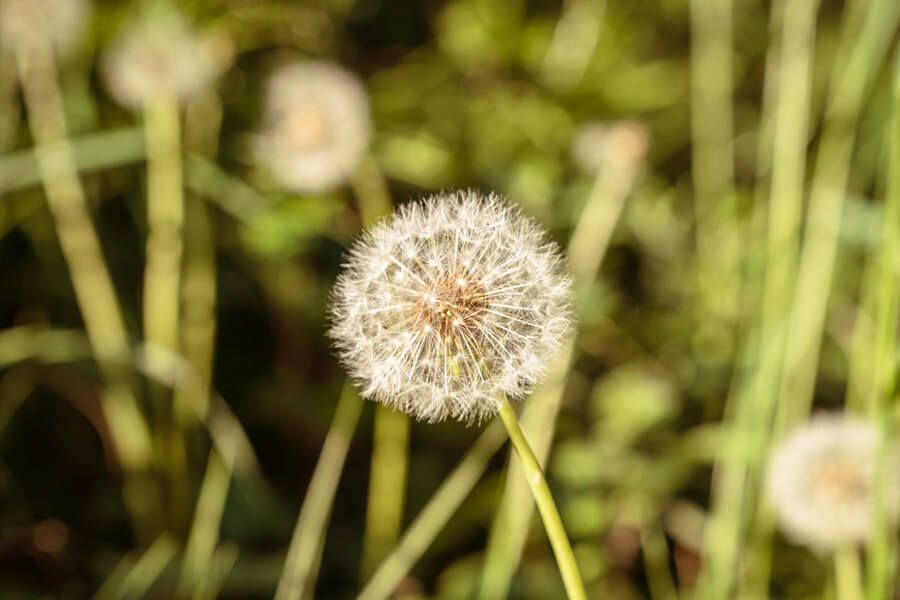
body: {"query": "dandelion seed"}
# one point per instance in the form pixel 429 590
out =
pixel 25 22
pixel 163 56
pixel 821 482
pixel 317 126
pixel 482 305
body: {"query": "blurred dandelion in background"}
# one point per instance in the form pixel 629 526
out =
pixel 26 22
pixel 161 55
pixel 317 126
pixel 450 304
pixel 597 145
pixel 821 481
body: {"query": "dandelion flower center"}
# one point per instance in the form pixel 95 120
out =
pixel 449 304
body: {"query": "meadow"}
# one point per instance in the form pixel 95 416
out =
pixel 451 299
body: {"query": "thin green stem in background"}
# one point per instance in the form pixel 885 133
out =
pixel 93 286
pixel 553 525
pixel 387 486
pixel 718 230
pixel 437 513
pixel 120 147
pixel 162 280
pixel 847 574
pixel 204 535
pixel 165 220
pixel 656 563
pixel 301 564
pixel 197 342
pixel 135 574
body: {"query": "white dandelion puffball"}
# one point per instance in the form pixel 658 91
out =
pixel 59 22
pixel 622 145
pixel 821 482
pixel 317 126
pixel 450 304
pixel 162 57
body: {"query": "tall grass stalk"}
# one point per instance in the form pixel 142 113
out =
pixel 162 279
pixel 93 286
pixel 165 220
pixel 586 250
pixel 197 341
pixel 712 132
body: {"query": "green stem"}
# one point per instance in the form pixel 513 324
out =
pixel 165 219
pixel 387 485
pixel 847 574
pixel 565 558
pixel 718 234
pixel 301 565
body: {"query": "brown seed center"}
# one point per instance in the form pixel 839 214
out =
pixel 450 305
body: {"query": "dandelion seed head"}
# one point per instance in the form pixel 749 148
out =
pixel 821 482
pixel 317 126
pixel 448 304
pixel 621 145
pixel 59 22
pixel 163 56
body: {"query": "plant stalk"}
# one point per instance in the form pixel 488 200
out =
pixel 559 540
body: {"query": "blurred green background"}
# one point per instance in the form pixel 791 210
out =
pixel 487 94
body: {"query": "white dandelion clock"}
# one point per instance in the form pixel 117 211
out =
pixel 162 56
pixel 25 22
pixel 450 305
pixel 621 145
pixel 317 126
pixel 821 482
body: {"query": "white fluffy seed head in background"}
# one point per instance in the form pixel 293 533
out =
pixel 161 55
pixel 317 126
pixel 821 482
pixel 449 304
pixel 59 22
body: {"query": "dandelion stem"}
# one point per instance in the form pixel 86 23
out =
pixel 847 574
pixel 165 218
pixel 562 549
